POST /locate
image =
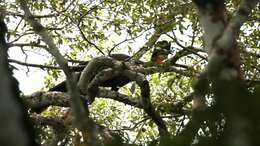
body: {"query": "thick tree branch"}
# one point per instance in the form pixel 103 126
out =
pixel 101 69
pixel 93 67
pixel 14 124
pixel 79 111
pixel 211 15
pixel 40 30
pixel 42 99
pixel 224 71
pixel 57 123
pixel 38 100
pixel 231 32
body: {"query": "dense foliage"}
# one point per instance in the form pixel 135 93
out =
pixel 85 29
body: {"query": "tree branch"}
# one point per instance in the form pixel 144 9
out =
pixel 77 106
pixel 14 124
pixel 101 69
pixel 231 32
pixel 32 65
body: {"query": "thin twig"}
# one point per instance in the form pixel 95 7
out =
pixel 33 65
